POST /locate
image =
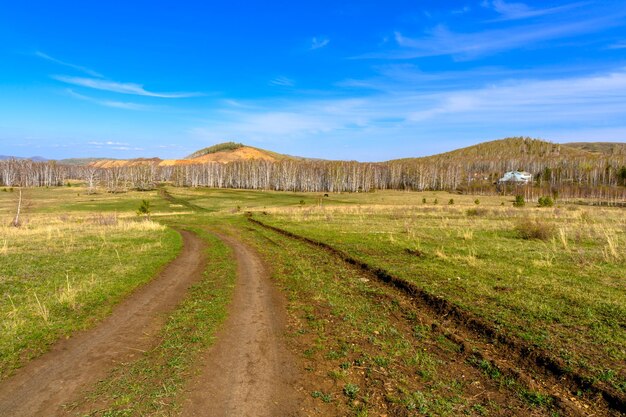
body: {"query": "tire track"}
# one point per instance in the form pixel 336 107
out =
pixel 44 385
pixel 476 336
pixel 249 371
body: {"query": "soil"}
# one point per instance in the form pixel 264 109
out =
pixel 58 377
pixel 249 371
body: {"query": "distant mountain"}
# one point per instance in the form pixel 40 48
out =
pixel 32 158
pixel 222 153
pixel 509 148
pixel 520 152
pixel 81 161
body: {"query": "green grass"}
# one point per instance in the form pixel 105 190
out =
pixel 359 344
pixel 152 384
pixel 63 272
pixel 564 287
pixel 569 286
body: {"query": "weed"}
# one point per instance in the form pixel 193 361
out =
pixel 41 309
pixel 534 229
pixel 537 399
pixel 351 390
pixel 327 398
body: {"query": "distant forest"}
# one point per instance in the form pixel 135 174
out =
pixel 564 171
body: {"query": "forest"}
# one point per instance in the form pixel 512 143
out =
pixel 563 171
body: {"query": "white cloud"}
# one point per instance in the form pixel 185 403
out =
pixel 116 87
pixel 525 107
pixel 112 103
pixel 67 64
pixel 107 143
pixel 318 43
pixel 441 41
pixel 283 82
pixel 517 11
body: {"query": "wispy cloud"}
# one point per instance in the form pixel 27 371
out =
pixel 319 43
pixel 117 146
pixel 532 107
pixel 117 87
pixel 283 82
pixel 618 45
pixel 107 143
pixel 86 70
pixel 112 103
pixel 442 41
pixel 517 11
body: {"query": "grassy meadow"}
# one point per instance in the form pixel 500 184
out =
pixel 68 264
pixel 553 277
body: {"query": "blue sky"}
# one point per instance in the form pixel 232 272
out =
pixel 364 80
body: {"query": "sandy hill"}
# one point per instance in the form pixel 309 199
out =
pixel 222 153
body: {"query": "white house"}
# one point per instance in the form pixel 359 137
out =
pixel 522 177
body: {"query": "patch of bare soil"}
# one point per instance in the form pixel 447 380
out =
pixel 44 385
pixel 249 371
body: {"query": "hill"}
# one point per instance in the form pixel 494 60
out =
pixel 509 148
pixel 31 158
pixel 222 153
pixel 81 161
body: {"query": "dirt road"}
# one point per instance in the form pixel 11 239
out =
pixel 56 378
pixel 249 371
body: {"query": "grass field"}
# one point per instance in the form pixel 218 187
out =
pixel 551 277
pixel 63 270
pixel 563 288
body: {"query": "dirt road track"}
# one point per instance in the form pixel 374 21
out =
pixel 56 378
pixel 249 371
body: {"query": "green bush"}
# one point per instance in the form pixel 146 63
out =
pixel 519 201
pixel 546 201
pixel 477 201
pixel 451 201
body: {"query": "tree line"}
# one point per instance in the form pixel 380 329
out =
pixel 568 177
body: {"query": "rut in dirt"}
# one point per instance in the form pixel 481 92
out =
pixel 44 385
pixel 477 338
pixel 249 371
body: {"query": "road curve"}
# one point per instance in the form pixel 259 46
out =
pixel 42 386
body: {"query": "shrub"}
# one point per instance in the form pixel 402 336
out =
pixel 423 200
pixel 451 201
pixel 519 201
pixel 546 201
pixel 144 208
pixel 534 229
pixel 436 201
pixel 476 212
pixel 477 201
